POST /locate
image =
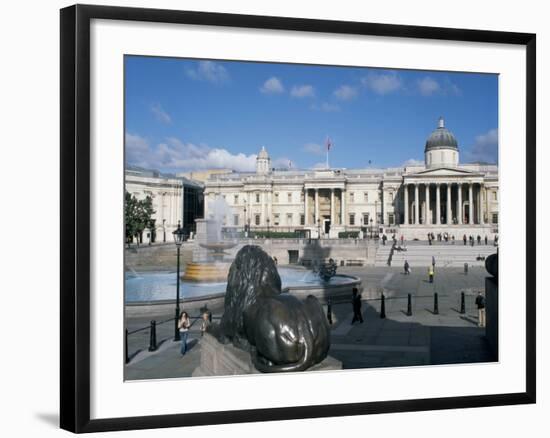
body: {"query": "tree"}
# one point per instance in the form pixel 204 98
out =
pixel 137 216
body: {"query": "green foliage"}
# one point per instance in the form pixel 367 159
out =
pixel 348 235
pixel 274 235
pixel 137 216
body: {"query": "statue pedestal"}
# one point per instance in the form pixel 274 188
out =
pixel 491 314
pixel 219 359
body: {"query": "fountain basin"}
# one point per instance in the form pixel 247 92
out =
pixel 159 287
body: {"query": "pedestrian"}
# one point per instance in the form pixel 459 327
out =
pixel 205 322
pixel 464 239
pixel 480 303
pixel 183 326
pixel 275 260
pixel 431 273
pixel 486 240
pixel 407 268
pixel 356 303
pixel 401 239
pixel 472 240
pixel 453 239
pixel 433 262
pixel 478 239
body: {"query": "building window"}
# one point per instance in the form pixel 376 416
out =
pixel 391 219
pixel 289 218
pixel 257 198
pixel 351 197
pixel 276 219
pixel 289 197
pixel 236 199
pixel 236 220
pixel 495 218
pixel 391 196
pixel 366 196
pixel 276 196
pixel 257 219
pixel 378 218
pixel 495 196
pixel 302 219
pixel 352 218
pixel 302 197
pixel 365 218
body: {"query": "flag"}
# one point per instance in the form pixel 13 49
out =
pixel 329 144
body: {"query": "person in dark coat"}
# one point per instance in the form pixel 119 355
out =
pixel 480 303
pixel 356 303
pixel 464 239
pixel 407 268
pixel 486 240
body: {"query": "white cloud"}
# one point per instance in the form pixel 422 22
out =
pixel 161 115
pixel 345 92
pixel 175 155
pixel 381 83
pixel 320 165
pixel 428 86
pixel 302 91
pixel 413 162
pixel 208 71
pixel 485 148
pixel 326 107
pixel 314 148
pixel 272 86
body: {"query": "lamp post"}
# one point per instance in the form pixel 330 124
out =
pixel 244 221
pixel 268 220
pixel 319 228
pixel 164 230
pixel 179 237
pixel 371 228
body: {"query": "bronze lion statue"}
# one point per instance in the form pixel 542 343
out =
pixel 281 332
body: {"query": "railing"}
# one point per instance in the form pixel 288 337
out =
pixel 152 327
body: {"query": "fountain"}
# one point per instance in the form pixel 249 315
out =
pixel 205 278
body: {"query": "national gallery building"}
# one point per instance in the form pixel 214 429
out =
pixel 440 196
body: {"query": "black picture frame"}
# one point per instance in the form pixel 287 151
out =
pixel 75 217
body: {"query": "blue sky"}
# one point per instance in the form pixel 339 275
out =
pixel 195 114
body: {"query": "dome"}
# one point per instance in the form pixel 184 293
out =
pixel 441 138
pixel 263 153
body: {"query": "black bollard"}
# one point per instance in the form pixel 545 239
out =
pixel 462 303
pixel 176 328
pixel 383 307
pixel 409 305
pixel 329 311
pixel 436 304
pixel 153 336
pixel 127 358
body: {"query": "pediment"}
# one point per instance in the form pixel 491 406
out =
pixel 443 171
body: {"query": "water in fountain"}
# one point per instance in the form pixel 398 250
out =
pixel 211 266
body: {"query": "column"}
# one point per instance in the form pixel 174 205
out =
pixel 481 206
pixel 306 215
pixel 470 204
pixel 438 203
pixel 416 202
pixel 406 202
pixel 264 209
pixel 331 207
pixel 427 219
pixel 459 213
pixel 342 207
pixel 449 209
pixel 316 206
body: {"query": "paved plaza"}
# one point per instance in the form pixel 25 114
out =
pixel 398 340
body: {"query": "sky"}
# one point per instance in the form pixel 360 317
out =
pixel 184 114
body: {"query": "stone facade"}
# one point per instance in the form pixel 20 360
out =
pixel 439 196
pixel 171 199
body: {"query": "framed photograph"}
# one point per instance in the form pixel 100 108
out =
pixel 269 218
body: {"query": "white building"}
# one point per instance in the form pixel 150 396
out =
pixel 175 199
pixel 440 196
